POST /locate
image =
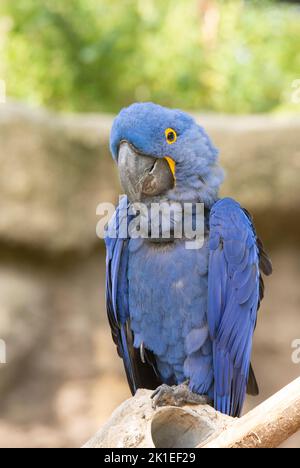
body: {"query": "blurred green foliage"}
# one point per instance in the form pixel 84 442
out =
pixel 90 55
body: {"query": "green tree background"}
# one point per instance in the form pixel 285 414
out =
pixel 98 55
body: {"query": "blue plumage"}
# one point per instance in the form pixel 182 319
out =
pixel 167 305
pixel 191 312
pixel 233 298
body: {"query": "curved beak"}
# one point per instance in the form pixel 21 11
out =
pixel 143 176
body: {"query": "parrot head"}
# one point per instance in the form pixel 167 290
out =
pixel 164 154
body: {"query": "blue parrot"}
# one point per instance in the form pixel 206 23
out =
pixel 182 319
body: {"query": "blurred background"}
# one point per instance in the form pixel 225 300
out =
pixel 67 67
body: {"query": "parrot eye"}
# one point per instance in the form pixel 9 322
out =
pixel 171 136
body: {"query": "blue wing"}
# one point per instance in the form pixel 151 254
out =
pixel 140 370
pixel 235 289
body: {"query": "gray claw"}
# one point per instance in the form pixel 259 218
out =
pixel 179 395
pixel 142 353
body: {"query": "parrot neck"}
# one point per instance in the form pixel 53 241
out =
pixel 197 187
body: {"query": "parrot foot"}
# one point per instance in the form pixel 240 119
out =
pixel 177 395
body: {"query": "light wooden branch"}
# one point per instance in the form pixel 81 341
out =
pixel 135 424
pixel 268 425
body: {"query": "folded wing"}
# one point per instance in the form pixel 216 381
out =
pixel 235 289
pixel 139 374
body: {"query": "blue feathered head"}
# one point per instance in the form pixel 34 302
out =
pixel 164 153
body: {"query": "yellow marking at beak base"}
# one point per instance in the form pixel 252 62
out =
pixel 172 165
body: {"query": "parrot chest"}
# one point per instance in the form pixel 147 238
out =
pixel 168 303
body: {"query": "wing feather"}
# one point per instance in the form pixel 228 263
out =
pixel 235 289
pixel 139 374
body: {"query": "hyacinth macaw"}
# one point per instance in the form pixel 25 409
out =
pixel 182 320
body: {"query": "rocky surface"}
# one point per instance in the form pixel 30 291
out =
pixel 135 424
pixel 63 378
pixel 23 320
pixel 54 172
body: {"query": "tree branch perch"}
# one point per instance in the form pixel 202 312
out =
pixel 268 425
pixel 136 425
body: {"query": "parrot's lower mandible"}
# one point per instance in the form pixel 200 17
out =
pixel 182 318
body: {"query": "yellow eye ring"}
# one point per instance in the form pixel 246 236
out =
pixel 171 136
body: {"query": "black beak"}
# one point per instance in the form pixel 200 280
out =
pixel 143 176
